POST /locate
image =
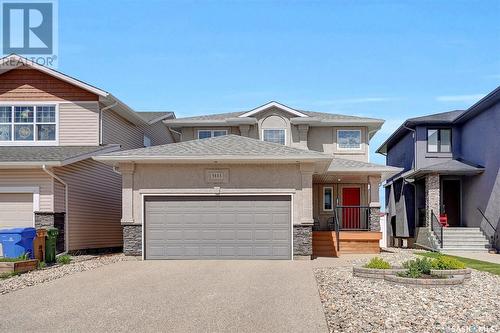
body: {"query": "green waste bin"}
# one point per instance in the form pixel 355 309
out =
pixel 50 245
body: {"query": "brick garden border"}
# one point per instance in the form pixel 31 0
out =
pixel 452 272
pixel 426 283
pixel 374 273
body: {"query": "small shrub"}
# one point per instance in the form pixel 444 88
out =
pixel 8 275
pixel 411 272
pixel 422 265
pixel 64 259
pixel 42 265
pixel 22 257
pixel 377 263
pixel 444 262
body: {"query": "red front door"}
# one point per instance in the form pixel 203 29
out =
pixel 350 215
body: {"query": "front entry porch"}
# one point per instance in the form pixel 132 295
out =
pixel 346 215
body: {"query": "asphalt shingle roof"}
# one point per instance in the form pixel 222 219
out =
pixel 319 115
pixel 453 166
pixel 341 164
pixel 149 115
pixel 438 117
pixel 227 145
pixel 44 154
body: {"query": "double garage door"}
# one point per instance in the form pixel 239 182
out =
pixel 217 227
pixel 16 210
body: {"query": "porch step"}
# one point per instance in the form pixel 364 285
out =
pixel 463 249
pixel 462 230
pixel 465 240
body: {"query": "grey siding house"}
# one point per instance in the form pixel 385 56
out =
pixel 448 195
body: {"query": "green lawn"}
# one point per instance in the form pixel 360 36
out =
pixel 471 263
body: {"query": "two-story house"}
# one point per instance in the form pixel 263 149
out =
pixel 448 196
pixel 50 126
pixel 270 183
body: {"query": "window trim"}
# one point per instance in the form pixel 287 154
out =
pixel 34 142
pixel 275 129
pixel 350 130
pixel 324 198
pixel 438 140
pixel 211 132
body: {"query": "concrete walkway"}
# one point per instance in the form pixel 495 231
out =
pixel 172 296
pixel 483 256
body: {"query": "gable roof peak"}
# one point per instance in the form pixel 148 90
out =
pixel 276 105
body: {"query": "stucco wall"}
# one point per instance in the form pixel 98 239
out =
pixel 480 137
pixel 185 179
pixel 402 154
pixel 425 158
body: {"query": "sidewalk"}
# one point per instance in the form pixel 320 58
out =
pixel 488 257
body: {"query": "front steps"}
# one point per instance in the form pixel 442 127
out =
pixel 464 240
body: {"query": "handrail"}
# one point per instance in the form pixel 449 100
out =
pixel 436 225
pixel 353 217
pixel 337 229
pixel 491 225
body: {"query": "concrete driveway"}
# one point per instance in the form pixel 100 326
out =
pixel 172 296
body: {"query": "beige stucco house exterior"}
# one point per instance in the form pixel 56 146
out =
pixel 270 183
pixel 50 126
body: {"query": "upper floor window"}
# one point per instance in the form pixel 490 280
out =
pixel 274 129
pixel 439 140
pixel 274 135
pixel 349 139
pixel 147 141
pixel 204 134
pixel 27 123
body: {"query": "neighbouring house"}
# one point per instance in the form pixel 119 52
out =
pixel 50 127
pixel 448 196
pixel 270 183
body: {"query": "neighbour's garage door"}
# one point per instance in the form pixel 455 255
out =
pixel 222 227
pixel 16 210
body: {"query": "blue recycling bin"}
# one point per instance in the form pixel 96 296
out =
pixel 17 241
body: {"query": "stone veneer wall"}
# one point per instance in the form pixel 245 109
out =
pixel 132 240
pixel 302 241
pixel 55 220
pixel 375 219
pixel 432 198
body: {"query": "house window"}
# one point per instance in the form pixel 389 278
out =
pixel 328 198
pixel 439 140
pixel 349 139
pixel 28 123
pixel 147 141
pixel 205 134
pixel 274 135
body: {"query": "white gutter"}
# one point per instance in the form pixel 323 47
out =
pixel 100 118
pixel 66 188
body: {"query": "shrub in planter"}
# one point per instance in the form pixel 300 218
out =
pixel 377 263
pixel 423 265
pixel 444 263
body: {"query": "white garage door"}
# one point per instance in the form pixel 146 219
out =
pixel 16 210
pixel 222 227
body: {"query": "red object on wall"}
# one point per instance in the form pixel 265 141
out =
pixel 443 219
pixel 350 216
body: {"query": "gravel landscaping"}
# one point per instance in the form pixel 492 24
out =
pixel 79 263
pixel 355 304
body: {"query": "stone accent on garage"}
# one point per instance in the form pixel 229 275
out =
pixel 52 220
pixel 302 241
pixel 132 239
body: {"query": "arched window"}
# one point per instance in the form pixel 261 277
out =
pixel 274 130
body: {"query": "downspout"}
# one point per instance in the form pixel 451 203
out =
pixel 66 205
pixel 100 119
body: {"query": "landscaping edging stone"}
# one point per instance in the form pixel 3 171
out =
pixel 466 273
pixel 426 283
pixel 373 273
pixel 18 266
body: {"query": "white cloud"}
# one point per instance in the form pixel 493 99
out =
pixel 460 98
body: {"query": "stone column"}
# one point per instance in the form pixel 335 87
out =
pixel 303 129
pixel 432 198
pixel 373 183
pixel 244 129
pixel 132 231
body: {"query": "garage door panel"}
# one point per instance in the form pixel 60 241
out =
pixel 16 210
pixel 252 227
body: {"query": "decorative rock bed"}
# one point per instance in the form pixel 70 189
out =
pixel 373 273
pixel 426 282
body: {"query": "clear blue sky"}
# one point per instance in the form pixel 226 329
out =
pixel 384 59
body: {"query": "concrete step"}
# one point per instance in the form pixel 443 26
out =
pixel 467 246
pixel 461 236
pixel 462 249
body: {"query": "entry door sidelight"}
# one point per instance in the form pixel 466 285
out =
pixel 351 196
